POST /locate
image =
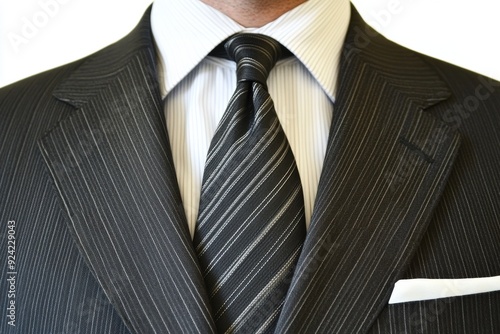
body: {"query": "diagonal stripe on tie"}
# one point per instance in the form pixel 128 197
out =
pixel 251 224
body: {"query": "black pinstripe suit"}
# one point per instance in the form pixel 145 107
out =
pixel 410 188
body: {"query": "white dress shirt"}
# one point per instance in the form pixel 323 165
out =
pixel 197 88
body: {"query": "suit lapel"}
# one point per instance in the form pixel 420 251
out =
pixel 113 169
pixel 386 165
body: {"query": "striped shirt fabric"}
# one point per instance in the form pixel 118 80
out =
pixel 196 87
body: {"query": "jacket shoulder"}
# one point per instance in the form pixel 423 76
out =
pixel 36 85
pixel 466 84
pixel 28 109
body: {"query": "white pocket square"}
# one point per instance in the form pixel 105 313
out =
pixel 409 290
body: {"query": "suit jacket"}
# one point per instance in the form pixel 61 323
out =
pixel 410 188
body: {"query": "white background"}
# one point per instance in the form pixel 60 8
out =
pixel 36 35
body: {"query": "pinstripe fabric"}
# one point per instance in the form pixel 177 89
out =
pixel 132 231
pixel 465 314
pixel 103 245
pixel 111 167
pixel 136 257
pixel 384 199
pixel 251 224
pixel 365 226
pixel 463 239
pixel 55 291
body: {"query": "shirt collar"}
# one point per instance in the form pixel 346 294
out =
pixel 185 31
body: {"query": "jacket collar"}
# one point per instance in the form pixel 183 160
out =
pixel 387 162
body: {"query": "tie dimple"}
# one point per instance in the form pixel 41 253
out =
pixel 255 56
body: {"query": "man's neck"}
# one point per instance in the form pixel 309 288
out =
pixel 254 13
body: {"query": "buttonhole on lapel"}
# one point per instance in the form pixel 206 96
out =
pixel 417 150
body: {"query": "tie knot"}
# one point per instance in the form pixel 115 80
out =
pixel 254 54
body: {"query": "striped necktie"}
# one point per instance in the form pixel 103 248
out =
pixel 251 223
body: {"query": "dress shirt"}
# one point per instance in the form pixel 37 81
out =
pixel 196 88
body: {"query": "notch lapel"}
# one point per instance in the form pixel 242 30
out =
pixel 386 165
pixel 113 169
